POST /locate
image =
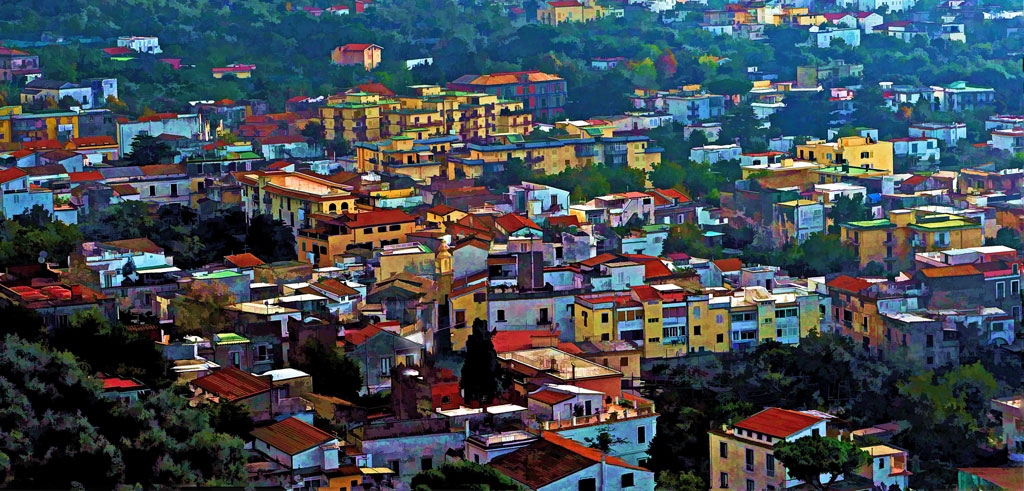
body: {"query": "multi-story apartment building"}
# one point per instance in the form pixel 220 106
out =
pixel 948 133
pixel 293 196
pixel 794 221
pixel 17 63
pixel 851 152
pixel 558 11
pixel 960 97
pixel 331 236
pixel 414 154
pixel 892 241
pixel 542 94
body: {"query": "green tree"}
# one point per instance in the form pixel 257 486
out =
pixel 846 209
pixel 604 440
pixel 667 175
pixel 826 253
pixel 482 377
pixel 148 149
pixel 680 481
pixel 1008 237
pixel 27 236
pixel 808 458
pixel 462 474
pixel 270 239
pixel 333 373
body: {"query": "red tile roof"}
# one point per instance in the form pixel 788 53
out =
pixel 848 284
pixel 279 165
pixel 540 463
pixel 731 264
pixel 336 287
pixel 511 223
pixel 8 175
pixel 646 293
pixel 86 176
pixel 653 267
pixel 42 145
pixel 232 384
pixel 117 51
pixel 140 245
pixel 93 141
pixel 950 271
pixel 162 169
pixel 244 260
pixel 564 221
pixel 376 88
pixel 551 397
pixel 124 189
pixel 1003 477
pixel 292 436
pixel 378 217
pixel 565 3
pixel 779 423
pixel 915 179
pixel 441 210
pixel 598 259
pixel 115 383
pixel 11 52
pixel 356 337
pixel 506 78
pixel 505 341
pixel 356 46
pixel 281 140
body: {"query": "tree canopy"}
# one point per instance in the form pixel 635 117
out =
pixel 808 458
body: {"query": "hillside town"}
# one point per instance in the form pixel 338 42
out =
pixel 763 257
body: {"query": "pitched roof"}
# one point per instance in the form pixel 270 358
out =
pixel 376 88
pixel 564 221
pixel 950 271
pixel 335 286
pixel 779 423
pixel 280 140
pixel 46 170
pixel 244 260
pixel 232 384
pixel 86 176
pixel 123 189
pixel 42 145
pixel 140 244
pixel 848 284
pixel 653 267
pixel 914 180
pixel 505 341
pixel 1003 477
pixel 378 217
pixel 565 3
pixel 505 78
pixel 551 397
pixel 8 175
pixel 162 169
pixel 540 463
pixel 117 51
pixel 645 293
pixel 730 264
pixel 511 222
pixel 598 259
pixel 356 46
pixel 292 436
pixel 58 155
pixel 442 209
pixel 93 141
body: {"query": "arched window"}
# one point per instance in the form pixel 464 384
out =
pixel 333 208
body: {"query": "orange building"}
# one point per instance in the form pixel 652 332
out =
pixel 367 55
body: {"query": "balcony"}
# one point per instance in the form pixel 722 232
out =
pixel 545 322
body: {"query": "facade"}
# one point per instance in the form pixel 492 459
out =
pixel 378 354
pixel 559 11
pixel 849 152
pixel 892 241
pixel 950 133
pixel 329 236
pixel 1011 140
pixel 712 154
pixel 16 63
pixel 542 94
pixel 183 125
pixel 960 97
pixel 795 221
pixel 293 197
pixel 367 55
pixel 141 44
pixel 824 37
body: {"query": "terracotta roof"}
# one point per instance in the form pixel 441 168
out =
pixel 779 423
pixel 463 192
pixel 232 384
pixel 598 259
pixel 551 459
pixel 118 50
pixel 505 78
pixel 124 189
pixel 93 141
pixel 42 145
pixel 356 46
pixel 669 194
pixel 441 210
pixel 646 293
pixel 86 176
pixel 564 221
pixel 731 264
pixel 356 337
pixel 8 175
pixel 950 271
pixel 653 267
pixel 292 436
pixel 551 397
pixel 19 154
pixel 115 383
pixel 58 155
pixel 162 169
pixel 335 286
pixel 915 179
pixel 140 244
pixel 511 222
pixel 565 3
pixel 505 341
pixel 848 284
pixel 279 165
pixel 4 51
pixel 378 217
pixel 376 88
pixel 45 170
pixel 244 260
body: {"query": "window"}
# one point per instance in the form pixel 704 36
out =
pixel 881 463
pixel 719 318
pixel 394 465
pixel 930 360
pixel 1000 290
pixel 587 484
pixel 816 432
pixel 394 228
pixel 1014 287
pixel 723 480
pixel 749 459
pixel 174 190
pixel 723 450
pixel 604 317
pixel 751 485
pixel 385 366
pixel 584 318
pixel 641 434
pixel 476 458
pixel 624 361
pixel 446 400
pixel 152 190
pixel 696 330
pixel 236 359
pixel 627 480
pixel 261 353
pixel 501 316
pixel 426 463
pixel 652 320
pixel 769 465
pixel 720 338
pixel 368 230
pixel 696 312
pixel 929 341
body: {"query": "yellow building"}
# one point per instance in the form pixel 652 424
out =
pixel 292 196
pixel 6 128
pixel 591 145
pixel 853 152
pixel 441 214
pixel 557 12
pixel 356 117
pixel 893 241
pixel 44 126
pixel 332 236
pixel 466 303
pixel 411 154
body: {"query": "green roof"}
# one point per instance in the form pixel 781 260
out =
pixel 515 138
pixel 952 223
pixel 229 338
pixel 219 275
pixel 880 223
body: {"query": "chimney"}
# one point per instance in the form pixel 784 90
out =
pixel 76 291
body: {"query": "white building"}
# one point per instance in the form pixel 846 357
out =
pixel 1011 140
pixel 824 37
pixel 18 196
pixel 142 44
pixel 950 133
pixel 922 148
pixel 710 154
pixel 123 262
